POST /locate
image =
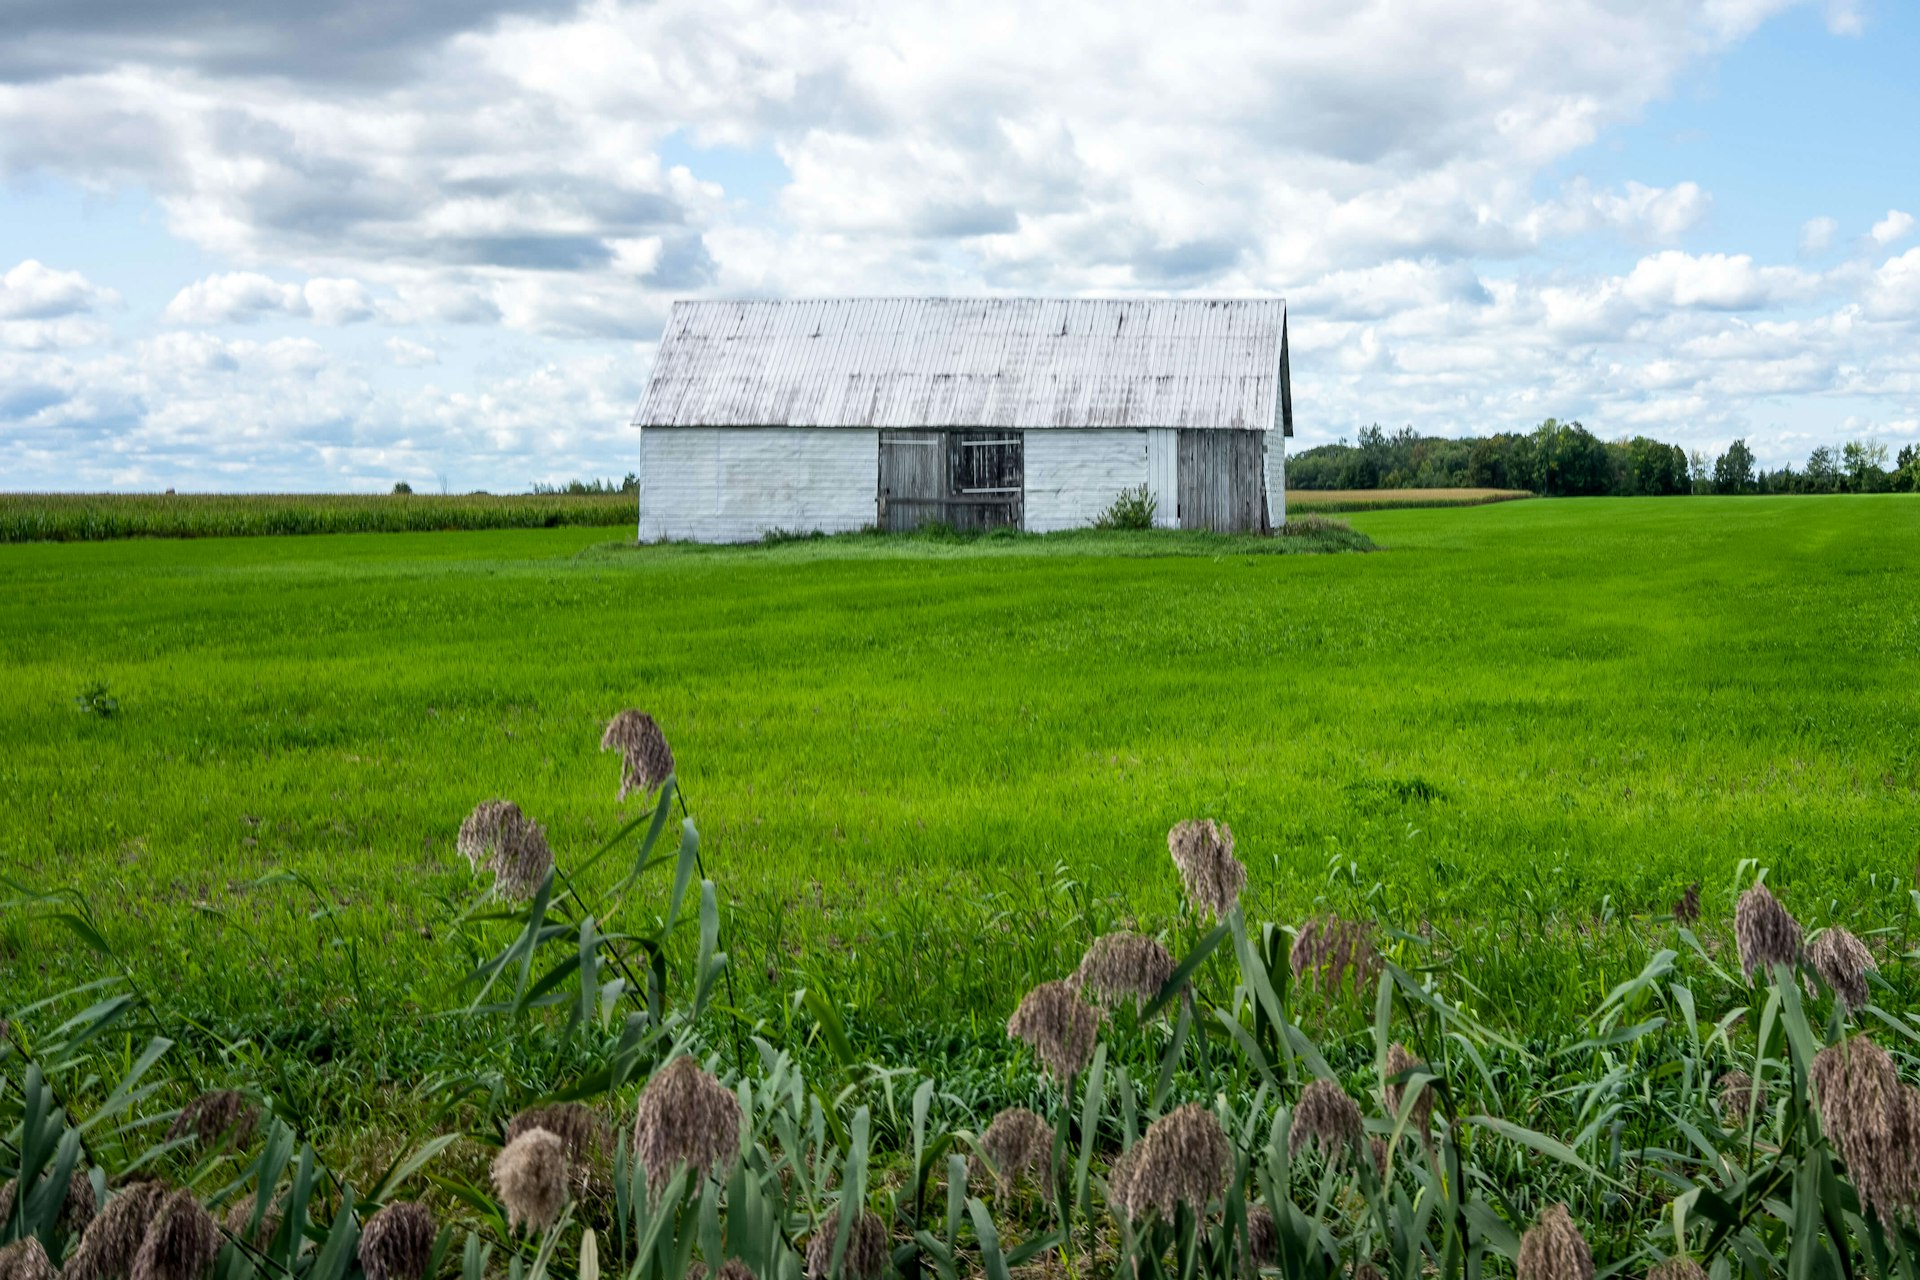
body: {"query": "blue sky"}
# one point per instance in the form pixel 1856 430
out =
pixel 242 254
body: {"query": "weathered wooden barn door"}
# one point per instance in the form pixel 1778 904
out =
pixel 966 479
pixel 913 478
pixel 1220 479
pixel 988 470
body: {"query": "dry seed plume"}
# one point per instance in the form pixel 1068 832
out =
pixel 1399 1062
pixel 76 1210
pixel 731 1269
pixel 111 1240
pixel 1329 948
pixel 685 1117
pixel 1678 1269
pixel 1202 849
pixel 1554 1249
pixel 1686 908
pixel 1019 1142
pixel 1124 966
pixel 1263 1238
pixel 581 1130
pixel 497 836
pixel 1120 1180
pixel 1766 933
pixel 211 1116
pixel 239 1216
pixel 646 761
pixel 26 1259
pixel 1329 1117
pixel 866 1252
pixel 1870 1119
pixel 1842 961
pixel 530 1174
pixel 1183 1158
pixel 1059 1025
pixel 1738 1097
pixel 181 1241
pixel 397 1242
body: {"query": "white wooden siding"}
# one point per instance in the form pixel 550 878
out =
pixel 1073 476
pixel 1276 476
pixel 1163 476
pixel 733 484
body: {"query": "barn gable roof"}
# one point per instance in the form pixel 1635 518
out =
pixel 1014 363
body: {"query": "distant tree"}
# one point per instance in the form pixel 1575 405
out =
pixel 1864 463
pixel 1733 470
pixel 1906 472
pixel 1823 470
pixel 1487 462
pixel 401 486
pixel 1697 471
pixel 1652 469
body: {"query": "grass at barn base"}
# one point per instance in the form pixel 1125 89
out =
pixel 927 775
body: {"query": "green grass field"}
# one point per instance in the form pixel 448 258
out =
pixel 1513 714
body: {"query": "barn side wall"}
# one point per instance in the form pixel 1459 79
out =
pixel 1163 475
pixel 1072 476
pixel 734 484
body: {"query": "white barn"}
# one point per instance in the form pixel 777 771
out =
pixel 844 413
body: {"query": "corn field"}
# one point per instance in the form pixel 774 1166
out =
pixel 82 517
pixel 1211 1096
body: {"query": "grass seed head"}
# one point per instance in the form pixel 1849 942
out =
pixel 1120 1182
pixel 1124 966
pixel 866 1252
pixel 581 1129
pixel 1554 1249
pixel 1263 1238
pixel 1329 948
pixel 1870 1118
pixel 1738 1097
pixel 26 1259
pixel 1399 1062
pixel 1202 849
pixel 1686 908
pixel 397 1242
pixel 530 1174
pixel 239 1216
pixel 1183 1158
pixel 1329 1117
pixel 211 1116
pixel 731 1269
pixel 181 1241
pixel 646 761
pixel 1061 1027
pixel 78 1208
pixel 1019 1142
pixel 1766 933
pixel 111 1240
pixel 1842 961
pixel 685 1117
pixel 1678 1269
pixel 521 862
pixel 480 833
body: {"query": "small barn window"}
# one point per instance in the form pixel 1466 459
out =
pixel 987 463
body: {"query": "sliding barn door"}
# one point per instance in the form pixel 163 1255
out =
pixel 1221 480
pixel 964 479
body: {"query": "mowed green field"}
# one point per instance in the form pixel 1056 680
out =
pixel 926 773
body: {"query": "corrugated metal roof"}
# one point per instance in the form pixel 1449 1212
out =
pixel 1018 363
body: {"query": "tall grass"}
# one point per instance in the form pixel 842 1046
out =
pixel 87 517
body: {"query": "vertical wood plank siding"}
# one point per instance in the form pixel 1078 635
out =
pixel 734 484
pixel 1222 479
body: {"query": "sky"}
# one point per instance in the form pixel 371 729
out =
pixel 327 247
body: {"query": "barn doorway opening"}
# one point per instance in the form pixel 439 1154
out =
pixel 969 480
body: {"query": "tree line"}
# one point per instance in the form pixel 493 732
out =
pixel 1564 459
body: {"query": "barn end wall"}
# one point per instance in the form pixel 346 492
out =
pixel 735 484
pixel 1276 461
pixel 1074 475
